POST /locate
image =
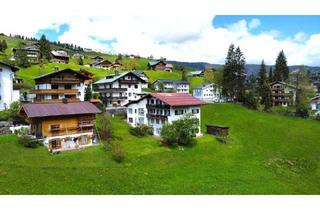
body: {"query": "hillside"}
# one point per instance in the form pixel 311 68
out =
pixel 35 70
pixel 266 154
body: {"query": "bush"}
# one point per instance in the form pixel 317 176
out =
pixel 104 127
pixel 117 152
pixel 250 101
pixel 180 132
pixel 29 142
pixel 141 130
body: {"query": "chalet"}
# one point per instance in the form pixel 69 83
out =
pixel 283 94
pixel 59 56
pixel 78 55
pixel 116 65
pixel 315 79
pixel 32 51
pixel 196 73
pixel 101 64
pixel 315 105
pixel 143 76
pixel 157 65
pixel 157 109
pixel 208 93
pixel 167 85
pixel 64 85
pixel 119 89
pixel 7 92
pixel 97 58
pixel 168 67
pixel 62 126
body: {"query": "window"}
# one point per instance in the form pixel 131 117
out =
pixel 53 87
pixel 55 144
pixel 141 111
pixel 129 94
pixel 152 121
pixel 55 127
pixel 130 111
pixel 135 111
pixel 55 96
pixel 178 112
pixel 130 120
pixel 157 121
pixel 195 111
pixel 135 86
pixel 68 87
pixel 129 86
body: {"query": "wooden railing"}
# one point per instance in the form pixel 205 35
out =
pixel 65 81
pixel 67 100
pixel 56 91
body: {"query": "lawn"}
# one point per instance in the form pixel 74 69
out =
pixel 266 154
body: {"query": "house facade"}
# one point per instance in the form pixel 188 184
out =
pixel 315 105
pixel 166 85
pixel 32 51
pixel 59 56
pixel 7 92
pixel 64 85
pixel 62 126
pixel 119 89
pixel 208 93
pixel 101 64
pixel 143 76
pixel 196 73
pixel 157 109
pixel 159 65
pixel 283 94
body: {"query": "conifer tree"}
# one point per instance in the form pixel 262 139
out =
pixel 281 72
pixel 88 93
pixel 262 77
pixel 45 49
pixel 270 77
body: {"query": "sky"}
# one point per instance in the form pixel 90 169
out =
pixel 194 31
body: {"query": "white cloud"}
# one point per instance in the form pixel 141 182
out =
pixel 170 29
pixel 300 37
pixel 254 23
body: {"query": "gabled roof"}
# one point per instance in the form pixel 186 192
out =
pixel 169 65
pixel 59 109
pixel 195 72
pixel 283 83
pixel 13 68
pixel 58 72
pixel 60 53
pixel 315 99
pixel 177 99
pixel 112 78
pixel 155 62
pixel 204 86
pixel 169 81
pixel 140 74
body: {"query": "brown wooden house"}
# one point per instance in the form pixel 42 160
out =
pixel 59 56
pixel 62 85
pixel 62 126
pixel 157 65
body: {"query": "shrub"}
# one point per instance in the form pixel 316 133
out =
pixel 104 127
pixel 117 152
pixel 29 142
pixel 250 101
pixel 141 130
pixel 180 132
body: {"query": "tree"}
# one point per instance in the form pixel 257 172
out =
pixel 45 49
pixel 119 58
pixel 228 74
pixel 281 71
pixel 22 58
pixel 184 75
pixel 217 76
pixel 266 96
pixel 180 132
pixel 80 60
pixel 262 77
pixel 270 76
pixel 179 67
pixel 4 45
pixel 88 93
pixel 208 76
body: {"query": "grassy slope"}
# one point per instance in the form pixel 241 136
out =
pixel 247 165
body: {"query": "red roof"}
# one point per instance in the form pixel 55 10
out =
pixel 177 99
pixel 59 109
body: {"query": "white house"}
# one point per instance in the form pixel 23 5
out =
pixel 119 89
pixel 7 93
pixel 315 105
pixel 167 85
pixel 283 94
pixel 208 93
pixel 143 76
pixel 156 109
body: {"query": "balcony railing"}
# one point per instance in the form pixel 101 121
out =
pixel 56 91
pixel 65 81
pixel 128 81
pixel 150 115
pixel 161 106
pixel 113 97
pixel 111 90
pixel 67 100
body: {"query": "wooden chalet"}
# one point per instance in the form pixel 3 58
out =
pixel 157 65
pixel 32 51
pixel 62 126
pixel 59 56
pixel 283 94
pixel 64 85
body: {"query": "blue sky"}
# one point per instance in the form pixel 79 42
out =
pixel 288 25
pixel 53 33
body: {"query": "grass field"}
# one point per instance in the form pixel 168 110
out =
pixel 266 154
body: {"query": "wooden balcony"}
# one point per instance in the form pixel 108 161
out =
pixel 112 90
pixel 113 97
pixel 129 81
pixel 65 81
pixel 56 91
pixel 158 106
pixel 156 116
pixel 67 100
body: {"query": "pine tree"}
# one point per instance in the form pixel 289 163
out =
pixel 281 72
pixel 45 50
pixel 266 97
pixel 22 58
pixel 240 74
pixel 208 76
pixel 1 47
pixel 228 74
pixel 88 93
pixel 262 77
pixel 80 60
pixel 184 75
pixel 270 77
pixel 4 45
